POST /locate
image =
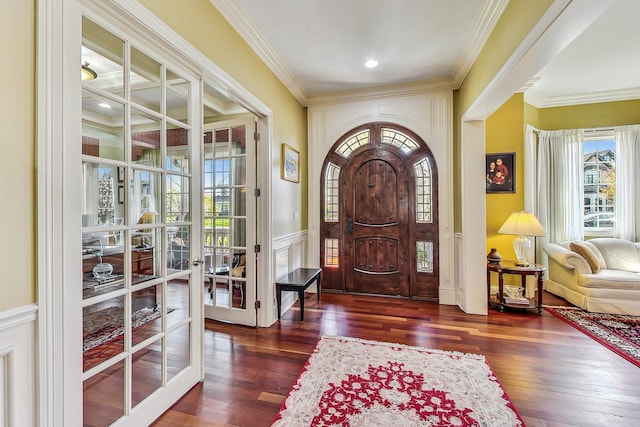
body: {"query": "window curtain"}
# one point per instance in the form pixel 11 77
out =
pixel 559 186
pixel 627 224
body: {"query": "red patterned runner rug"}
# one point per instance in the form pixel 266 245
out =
pixel 620 333
pixel 354 382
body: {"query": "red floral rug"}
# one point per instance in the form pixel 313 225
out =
pixel 353 382
pixel 618 332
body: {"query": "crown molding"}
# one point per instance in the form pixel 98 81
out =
pixel 582 98
pixel 233 12
pixel 378 92
pixel 487 21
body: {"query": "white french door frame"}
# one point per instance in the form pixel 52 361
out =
pixel 58 57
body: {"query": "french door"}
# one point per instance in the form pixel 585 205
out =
pixel 230 221
pixel 133 175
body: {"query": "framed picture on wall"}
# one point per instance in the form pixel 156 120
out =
pixel 500 174
pixel 290 168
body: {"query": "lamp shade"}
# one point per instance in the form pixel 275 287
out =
pixel 522 224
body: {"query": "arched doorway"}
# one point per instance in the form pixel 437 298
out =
pixel 379 214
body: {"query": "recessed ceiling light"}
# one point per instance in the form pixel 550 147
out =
pixel 371 63
pixel 104 105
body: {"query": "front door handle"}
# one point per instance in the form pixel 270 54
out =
pixel 197 261
pixel 349 225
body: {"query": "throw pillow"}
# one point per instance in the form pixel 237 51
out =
pixel 587 253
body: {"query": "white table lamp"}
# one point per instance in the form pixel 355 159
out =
pixel 523 225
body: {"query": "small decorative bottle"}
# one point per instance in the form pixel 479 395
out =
pixel 494 256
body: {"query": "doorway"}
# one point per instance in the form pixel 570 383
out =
pixel 379 225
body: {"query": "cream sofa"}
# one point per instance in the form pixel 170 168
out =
pixel 600 275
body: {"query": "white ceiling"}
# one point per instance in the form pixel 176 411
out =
pixel 320 46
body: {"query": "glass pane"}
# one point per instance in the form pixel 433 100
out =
pixel 177 198
pixel 103 397
pixel 178 350
pixel 101 197
pixel 238 140
pixel 102 127
pixel 352 143
pixel 102 264
pixel 102 331
pixel 145 139
pixel 222 143
pixel 146 313
pixel 178 301
pixel 399 139
pixel 178 253
pixel 239 170
pixel 332 193
pixel 146 88
pixel 424 257
pixel 145 193
pixel 238 291
pixel 146 254
pixel 331 252
pixel 177 97
pixel 239 202
pixel 239 230
pixel 146 372
pixel 423 191
pixel 220 286
pixel 177 149
pixel 102 58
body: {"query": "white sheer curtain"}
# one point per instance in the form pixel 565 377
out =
pixel 627 224
pixel 560 185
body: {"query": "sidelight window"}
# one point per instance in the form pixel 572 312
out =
pixel 331 193
pixel 331 252
pixel 423 191
pixel 424 256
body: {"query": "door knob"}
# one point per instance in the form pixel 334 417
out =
pixel 197 261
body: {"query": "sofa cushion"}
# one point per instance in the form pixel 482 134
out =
pixel 589 253
pixel 618 254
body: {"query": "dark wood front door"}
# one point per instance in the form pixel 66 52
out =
pixel 379 230
pixel 376 236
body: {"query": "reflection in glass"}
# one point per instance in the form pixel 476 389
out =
pixel 102 263
pixel 178 350
pixel 177 149
pixel 146 254
pixel 145 140
pixel 239 168
pixel 177 97
pixel 177 198
pixel 103 397
pixel 103 53
pixel 102 127
pixel 145 194
pixel 178 301
pixel 238 140
pixel 100 196
pixel 102 331
pixel 239 202
pixel 178 253
pixel 146 372
pixel 145 81
pixel 239 227
pixel 146 313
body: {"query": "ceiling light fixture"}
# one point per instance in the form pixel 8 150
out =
pixel 371 63
pixel 88 73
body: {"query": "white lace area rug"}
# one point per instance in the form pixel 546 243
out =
pixel 354 382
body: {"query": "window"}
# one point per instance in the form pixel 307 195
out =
pixel 424 256
pixel 331 193
pixel 352 143
pixel 423 191
pixel 599 180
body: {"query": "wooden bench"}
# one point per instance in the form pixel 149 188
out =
pixel 297 281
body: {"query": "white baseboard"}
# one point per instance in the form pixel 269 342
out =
pixel 18 364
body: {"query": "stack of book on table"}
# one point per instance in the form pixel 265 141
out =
pixel 516 300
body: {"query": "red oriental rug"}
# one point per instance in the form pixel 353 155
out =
pixel 620 333
pixel 353 382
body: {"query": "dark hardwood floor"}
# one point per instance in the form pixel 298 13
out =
pixel 555 375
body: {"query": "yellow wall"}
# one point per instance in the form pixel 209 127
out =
pixel 504 133
pixel 17 143
pixel 516 22
pixel 590 115
pixel 205 28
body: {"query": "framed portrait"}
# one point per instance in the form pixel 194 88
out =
pixel 290 168
pixel 500 176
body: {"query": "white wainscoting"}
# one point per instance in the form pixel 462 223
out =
pixel 289 253
pixel 18 364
